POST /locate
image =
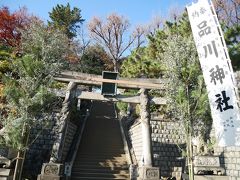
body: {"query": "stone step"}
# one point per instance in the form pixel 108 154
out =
pixel 95 178
pixel 103 164
pixel 100 150
pixel 100 159
pixel 83 161
pixel 89 166
pixel 101 153
pixel 97 175
pixel 101 170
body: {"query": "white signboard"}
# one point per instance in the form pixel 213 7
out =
pixel 217 72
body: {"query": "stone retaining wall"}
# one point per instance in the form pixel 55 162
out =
pixel 69 106
pixel 135 136
pixel 230 160
pixel 167 142
pixel 41 141
pixel 166 136
pixel 68 138
pixel 167 139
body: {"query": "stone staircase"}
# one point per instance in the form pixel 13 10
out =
pixel 101 153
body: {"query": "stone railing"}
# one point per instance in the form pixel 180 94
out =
pixel 76 142
pixel 135 138
pixel 65 131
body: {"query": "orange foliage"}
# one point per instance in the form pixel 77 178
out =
pixel 73 59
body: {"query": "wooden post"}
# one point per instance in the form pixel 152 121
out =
pixel 145 123
pixel 21 154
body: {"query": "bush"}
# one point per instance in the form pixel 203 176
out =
pixel 4 66
pixel 122 107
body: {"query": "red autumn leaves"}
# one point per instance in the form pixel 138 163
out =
pixel 11 25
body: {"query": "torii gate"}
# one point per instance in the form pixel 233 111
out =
pixel 125 83
pixel 134 83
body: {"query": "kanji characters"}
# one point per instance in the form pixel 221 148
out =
pixel 201 11
pixel 222 102
pixel 195 14
pixel 210 48
pixel 217 75
pixel 204 29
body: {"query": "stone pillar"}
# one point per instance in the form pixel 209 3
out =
pixel 52 171
pixel 146 171
pixel 145 123
pixel 56 156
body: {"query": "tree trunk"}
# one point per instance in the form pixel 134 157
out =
pixel 115 64
pixel 190 158
pixel 21 155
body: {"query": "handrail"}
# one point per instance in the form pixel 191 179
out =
pixel 125 143
pixel 130 148
pixel 124 138
pixel 68 165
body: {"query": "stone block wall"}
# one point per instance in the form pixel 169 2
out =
pixel 3 152
pixel 41 141
pixel 167 141
pixel 68 138
pixel 167 136
pixel 135 136
pixel 230 160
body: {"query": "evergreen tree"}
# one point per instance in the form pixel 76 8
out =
pixel 231 35
pixel 5 61
pixel 65 19
pixel 28 97
pixel 95 60
pixel 188 101
pixel 139 64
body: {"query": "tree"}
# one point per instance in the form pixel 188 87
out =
pixel 5 62
pixel 188 99
pixel 113 36
pixel 65 19
pixel 11 24
pixel 173 48
pixel 231 36
pixel 47 44
pixel 228 12
pixel 95 60
pixel 140 64
pixel 28 98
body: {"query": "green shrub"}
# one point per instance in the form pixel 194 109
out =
pixel 122 107
pixel 4 66
pixel 58 85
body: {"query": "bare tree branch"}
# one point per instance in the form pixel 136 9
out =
pixel 228 11
pixel 111 35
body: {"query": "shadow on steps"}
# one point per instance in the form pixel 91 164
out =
pixel 101 152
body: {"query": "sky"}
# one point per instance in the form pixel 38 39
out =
pixel 137 11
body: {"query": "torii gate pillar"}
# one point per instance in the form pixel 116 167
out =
pixel 145 123
pixel 146 171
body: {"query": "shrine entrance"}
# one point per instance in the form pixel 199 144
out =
pixel 142 98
